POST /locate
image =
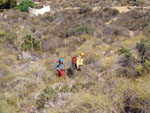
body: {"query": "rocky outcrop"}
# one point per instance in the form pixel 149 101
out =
pixel 36 12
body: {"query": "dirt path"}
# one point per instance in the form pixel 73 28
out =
pixel 121 9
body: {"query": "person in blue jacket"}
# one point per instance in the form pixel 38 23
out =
pixel 60 67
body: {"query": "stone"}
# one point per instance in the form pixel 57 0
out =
pixel 36 12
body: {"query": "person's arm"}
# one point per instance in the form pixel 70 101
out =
pixel 82 64
pixel 79 62
pixel 62 67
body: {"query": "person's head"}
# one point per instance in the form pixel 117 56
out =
pixel 60 60
pixel 82 55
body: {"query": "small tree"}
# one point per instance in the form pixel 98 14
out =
pixel 143 48
pixel 127 63
pixel 127 56
pixel 30 43
pixel 24 5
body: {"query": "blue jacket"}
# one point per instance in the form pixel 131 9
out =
pixel 59 66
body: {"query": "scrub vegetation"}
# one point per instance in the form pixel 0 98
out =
pixel 115 40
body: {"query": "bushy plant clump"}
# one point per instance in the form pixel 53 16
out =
pixel 24 5
pixel 30 43
pixel 7 38
pixel 124 51
pixel 127 63
pixel 79 29
pixel 143 48
pixel 139 65
pixel 48 18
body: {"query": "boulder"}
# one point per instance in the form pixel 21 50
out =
pixel 36 12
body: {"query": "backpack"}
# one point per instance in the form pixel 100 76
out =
pixel 74 59
pixel 57 61
pixel 57 66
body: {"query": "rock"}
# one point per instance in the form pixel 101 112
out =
pixel 131 34
pixel 36 12
pixel 26 55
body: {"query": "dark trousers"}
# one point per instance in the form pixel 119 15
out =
pixel 74 66
pixel 80 67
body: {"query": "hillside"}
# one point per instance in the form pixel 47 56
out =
pixel 114 35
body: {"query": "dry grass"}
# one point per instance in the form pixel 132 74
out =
pixel 94 89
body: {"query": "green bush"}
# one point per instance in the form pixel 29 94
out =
pixel 143 48
pixel 8 3
pixel 124 51
pixel 2 34
pixel 7 38
pixel 30 43
pixel 24 5
pixel 127 63
pixel 10 38
pixel 139 65
pixel 80 29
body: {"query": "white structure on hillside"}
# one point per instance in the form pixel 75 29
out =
pixel 36 12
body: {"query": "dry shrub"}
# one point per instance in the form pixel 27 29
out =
pixel 80 29
pixel 131 65
pixel 110 12
pixel 4 70
pixel 133 19
pixel 136 2
pixel 49 63
pixel 109 62
pixel 136 99
pixel 9 61
pixel 50 44
pixel 84 8
pixel 146 30
pixel 111 31
pixel 48 18
pixel 92 91
pixel 7 38
pixel 74 41
pixel 93 3
pixel 127 63
pixel 137 105
pixel 92 61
